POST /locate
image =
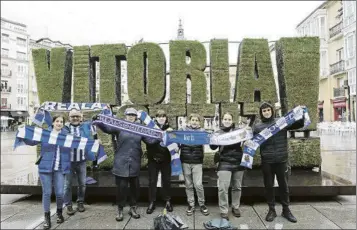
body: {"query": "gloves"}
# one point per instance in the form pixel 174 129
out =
pixel 95 117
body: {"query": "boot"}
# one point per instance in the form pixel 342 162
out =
pixel 60 218
pixel 271 215
pixel 169 207
pixel 47 221
pixel 133 213
pixel 288 215
pixel 151 208
pixel 80 207
pixel 120 215
pixel 70 210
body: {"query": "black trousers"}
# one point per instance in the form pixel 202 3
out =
pixel 154 168
pixel 122 190
pixel 282 172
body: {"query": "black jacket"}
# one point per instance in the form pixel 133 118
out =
pixel 192 154
pixel 229 156
pixel 275 148
pixel 156 151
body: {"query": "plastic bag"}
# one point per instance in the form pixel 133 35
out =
pixel 166 222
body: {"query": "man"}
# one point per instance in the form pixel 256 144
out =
pixel 78 161
pixel 274 155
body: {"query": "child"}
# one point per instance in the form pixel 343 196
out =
pixel 192 159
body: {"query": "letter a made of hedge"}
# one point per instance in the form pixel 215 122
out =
pixel 255 81
pixel 147 74
pixel 180 70
pixel 52 75
pixel 110 77
pixel 298 73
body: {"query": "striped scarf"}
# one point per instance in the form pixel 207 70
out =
pixel 252 145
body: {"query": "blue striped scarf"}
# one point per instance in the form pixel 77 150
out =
pixel 290 118
pixel 54 138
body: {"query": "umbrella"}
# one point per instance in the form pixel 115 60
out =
pixel 5 118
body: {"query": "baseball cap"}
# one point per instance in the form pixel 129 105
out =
pixel 131 111
pixel 75 112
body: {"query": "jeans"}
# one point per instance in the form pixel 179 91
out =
pixel 154 168
pixel 78 171
pixel 55 179
pixel 225 179
pixel 281 171
pixel 193 178
pixel 122 190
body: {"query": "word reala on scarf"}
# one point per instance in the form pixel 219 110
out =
pixel 64 140
pixel 176 167
pixel 252 145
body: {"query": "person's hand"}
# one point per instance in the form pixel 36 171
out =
pixel 21 126
pixel 100 141
pixel 95 117
pixel 169 129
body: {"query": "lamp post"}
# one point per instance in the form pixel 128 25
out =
pixel 346 86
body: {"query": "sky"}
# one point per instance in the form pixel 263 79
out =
pixel 90 23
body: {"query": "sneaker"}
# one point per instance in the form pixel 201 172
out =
pixel 204 210
pixel 236 212
pixel 70 210
pixel 190 210
pixel 80 207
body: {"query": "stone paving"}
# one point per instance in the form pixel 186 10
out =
pixel 336 213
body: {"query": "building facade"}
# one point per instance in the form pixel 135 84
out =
pixel 44 43
pixel 349 34
pixel 326 22
pixel 14 70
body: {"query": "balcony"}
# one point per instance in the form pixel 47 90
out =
pixel 336 29
pixel 337 67
pixel 6 106
pixel 6 90
pixel 6 73
pixel 339 92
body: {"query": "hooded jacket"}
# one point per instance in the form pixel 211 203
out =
pixel 275 148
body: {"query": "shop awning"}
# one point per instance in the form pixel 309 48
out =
pixel 19 113
pixel 5 113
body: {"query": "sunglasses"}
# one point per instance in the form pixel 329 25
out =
pixel 76 117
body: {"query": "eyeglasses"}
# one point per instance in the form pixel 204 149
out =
pixel 76 117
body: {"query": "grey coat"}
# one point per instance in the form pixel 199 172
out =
pixel 127 157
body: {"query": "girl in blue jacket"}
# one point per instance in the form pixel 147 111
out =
pixel 54 164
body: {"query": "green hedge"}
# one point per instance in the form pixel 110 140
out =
pixel 220 85
pixel 110 80
pixel 149 90
pixel 50 69
pixel 81 74
pixel 179 71
pixel 255 72
pixel 298 73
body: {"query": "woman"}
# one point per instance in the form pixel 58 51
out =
pixel 54 163
pixel 127 160
pixel 159 159
pixel 229 170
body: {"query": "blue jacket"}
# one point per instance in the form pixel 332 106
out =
pixel 48 153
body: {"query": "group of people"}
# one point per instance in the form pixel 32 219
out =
pixel 58 166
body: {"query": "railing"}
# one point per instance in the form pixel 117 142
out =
pixel 339 92
pixel 6 106
pixel 337 67
pixel 336 29
pixel 6 90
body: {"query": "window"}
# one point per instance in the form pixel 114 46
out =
pixel 339 54
pixel 20 55
pixel 352 77
pixel 5 38
pixel 4 85
pixel 340 82
pixel 4 52
pixel 3 102
pixel 323 63
pixel 322 27
pixel 21 41
pixel 350 48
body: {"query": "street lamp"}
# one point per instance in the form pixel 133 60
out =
pixel 346 86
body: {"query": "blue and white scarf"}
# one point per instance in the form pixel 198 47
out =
pixel 290 118
pixel 54 138
pixel 176 167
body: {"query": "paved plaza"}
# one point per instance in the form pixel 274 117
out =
pixel 25 212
